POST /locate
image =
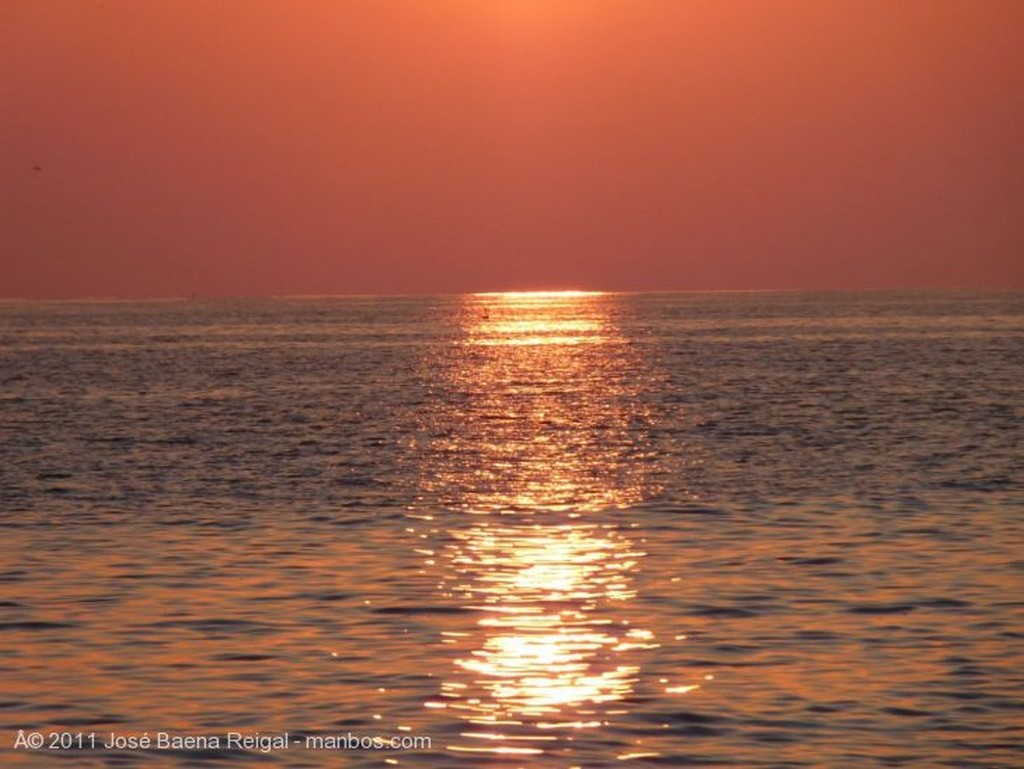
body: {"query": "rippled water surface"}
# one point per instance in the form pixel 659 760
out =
pixel 540 530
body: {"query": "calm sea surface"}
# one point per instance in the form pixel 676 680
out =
pixel 750 530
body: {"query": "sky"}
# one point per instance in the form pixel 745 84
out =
pixel 166 148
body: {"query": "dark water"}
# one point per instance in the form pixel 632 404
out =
pixel 752 530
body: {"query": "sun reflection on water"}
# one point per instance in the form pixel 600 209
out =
pixel 525 318
pixel 548 656
pixel 543 443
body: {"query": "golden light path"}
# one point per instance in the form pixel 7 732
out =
pixel 540 451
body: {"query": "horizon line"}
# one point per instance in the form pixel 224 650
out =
pixel 565 292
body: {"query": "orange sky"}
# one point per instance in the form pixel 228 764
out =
pixel 420 146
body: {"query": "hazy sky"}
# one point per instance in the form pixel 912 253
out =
pixel 171 147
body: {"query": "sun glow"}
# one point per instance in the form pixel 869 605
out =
pixel 534 458
pixel 540 295
pixel 529 318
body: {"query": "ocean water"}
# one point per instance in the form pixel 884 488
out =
pixel 534 530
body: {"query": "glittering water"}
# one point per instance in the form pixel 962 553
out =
pixel 541 530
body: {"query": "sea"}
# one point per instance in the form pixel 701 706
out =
pixel 547 529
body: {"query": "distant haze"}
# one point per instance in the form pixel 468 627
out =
pixel 215 147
